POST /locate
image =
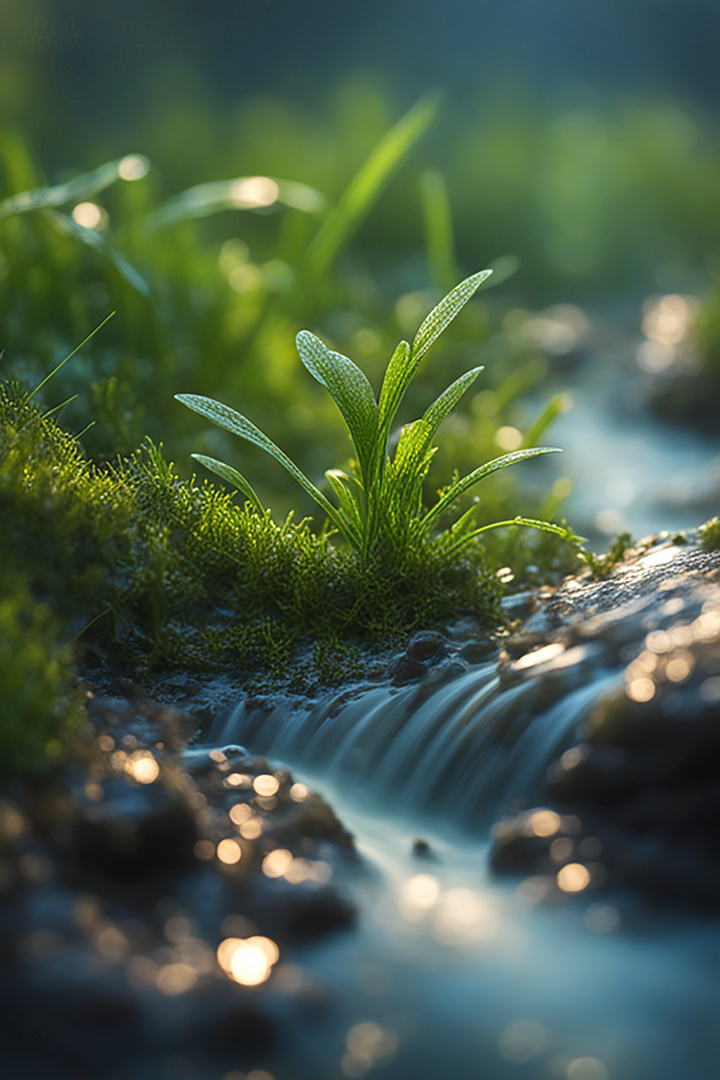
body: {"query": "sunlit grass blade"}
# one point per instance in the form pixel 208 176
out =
pixel 98 243
pixel 232 476
pixel 70 355
pixel 554 408
pixel 346 216
pixel 531 523
pixel 441 316
pixel 349 388
pixel 57 408
pixel 473 478
pixel 241 193
pixel 81 187
pixel 438 230
pixel 234 422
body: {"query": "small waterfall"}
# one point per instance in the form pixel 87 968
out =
pixel 464 747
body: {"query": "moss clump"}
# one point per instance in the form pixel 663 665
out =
pixel 41 709
pixel 157 572
pixel 710 534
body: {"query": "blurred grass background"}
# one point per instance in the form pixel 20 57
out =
pixel 577 142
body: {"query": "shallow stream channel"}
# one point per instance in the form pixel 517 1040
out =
pixel 537 888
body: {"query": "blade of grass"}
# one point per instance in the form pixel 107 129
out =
pixel 82 187
pixel 345 217
pixel 438 230
pixel 70 356
pixel 238 194
pixel 98 243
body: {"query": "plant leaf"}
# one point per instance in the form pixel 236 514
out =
pixel 397 376
pixel 441 409
pixel 98 243
pixel 241 193
pixel 441 316
pixel 543 526
pixel 438 229
pixel 340 483
pixel 349 388
pixel 232 421
pixel 479 474
pixel 345 217
pixel 81 187
pixel 232 476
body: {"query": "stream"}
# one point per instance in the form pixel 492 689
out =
pixel 452 972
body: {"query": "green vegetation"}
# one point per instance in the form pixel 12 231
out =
pixel 379 511
pixel 41 705
pixel 154 572
pixel 706 333
pixel 602 565
pixel 710 534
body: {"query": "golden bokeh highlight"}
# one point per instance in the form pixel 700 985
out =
pixel 247 961
pixel 240 812
pixel 266 785
pixel 133 167
pixel 573 878
pixel 544 823
pixel 641 690
pixel 251 829
pixel 229 852
pixel 88 215
pixel 251 192
pixel 142 767
pixel 276 863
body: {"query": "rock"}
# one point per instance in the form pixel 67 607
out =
pixel 642 788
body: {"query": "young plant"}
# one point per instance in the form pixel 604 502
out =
pixel 379 507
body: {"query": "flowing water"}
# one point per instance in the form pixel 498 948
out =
pixel 452 972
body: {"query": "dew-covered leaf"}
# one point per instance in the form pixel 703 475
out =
pixel 349 388
pixel 232 421
pixel 232 476
pixel 441 316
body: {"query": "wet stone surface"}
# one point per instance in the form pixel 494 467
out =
pixel 635 802
pixel 150 901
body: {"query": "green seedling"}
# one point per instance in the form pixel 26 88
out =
pixel 379 509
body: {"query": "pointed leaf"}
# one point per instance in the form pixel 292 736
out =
pixel 345 217
pixel 349 388
pixel 234 422
pixel 447 401
pixel 397 376
pixel 442 315
pixel 532 523
pixel 232 476
pixel 479 474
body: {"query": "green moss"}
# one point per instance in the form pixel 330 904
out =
pixel 710 534
pixel 41 708
pixel 155 572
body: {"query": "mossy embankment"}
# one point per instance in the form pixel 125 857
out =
pixel 127 566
